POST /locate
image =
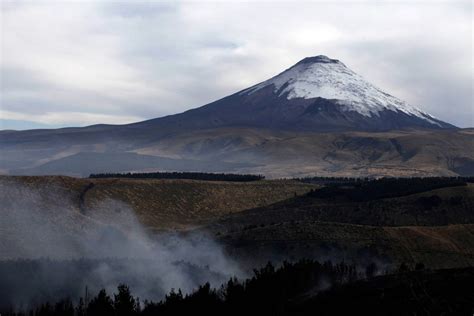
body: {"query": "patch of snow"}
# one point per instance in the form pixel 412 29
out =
pixel 330 79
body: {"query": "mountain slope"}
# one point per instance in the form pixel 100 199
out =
pixel 317 117
pixel 316 94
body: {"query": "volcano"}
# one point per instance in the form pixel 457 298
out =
pixel 316 94
pixel 318 117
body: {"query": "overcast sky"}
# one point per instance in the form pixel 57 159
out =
pixel 74 63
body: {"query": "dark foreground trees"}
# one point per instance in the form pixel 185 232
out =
pixel 266 292
pixel 123 304
pixel 302 288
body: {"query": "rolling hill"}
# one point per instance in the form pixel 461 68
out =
pixel 254 221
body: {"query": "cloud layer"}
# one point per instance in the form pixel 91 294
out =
pixel 69 63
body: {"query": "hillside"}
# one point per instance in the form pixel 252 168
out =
pixel 392 230
pixel 255 221
pixel 245 150
pixel 444 206
pixel 438 246
pixel 158 204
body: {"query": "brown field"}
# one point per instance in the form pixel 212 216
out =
pixel 161 204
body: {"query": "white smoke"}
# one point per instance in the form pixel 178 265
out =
pixel 99 249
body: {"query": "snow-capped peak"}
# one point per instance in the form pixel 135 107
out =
pixel 321 76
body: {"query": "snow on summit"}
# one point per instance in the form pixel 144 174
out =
pixel 327 78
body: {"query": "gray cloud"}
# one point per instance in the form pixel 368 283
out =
pixel 79 63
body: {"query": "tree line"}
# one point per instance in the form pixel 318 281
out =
pixel 305 287
pixel 353 180
pixel 183 175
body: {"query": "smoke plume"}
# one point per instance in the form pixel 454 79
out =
pixel 50 249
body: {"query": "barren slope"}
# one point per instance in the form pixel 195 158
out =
pixel 159 204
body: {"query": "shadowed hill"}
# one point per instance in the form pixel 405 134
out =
pixel 444 206
pixel 399 229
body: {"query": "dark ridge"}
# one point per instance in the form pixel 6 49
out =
pixel 362 190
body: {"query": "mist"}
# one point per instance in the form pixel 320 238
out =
pixel 50 249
